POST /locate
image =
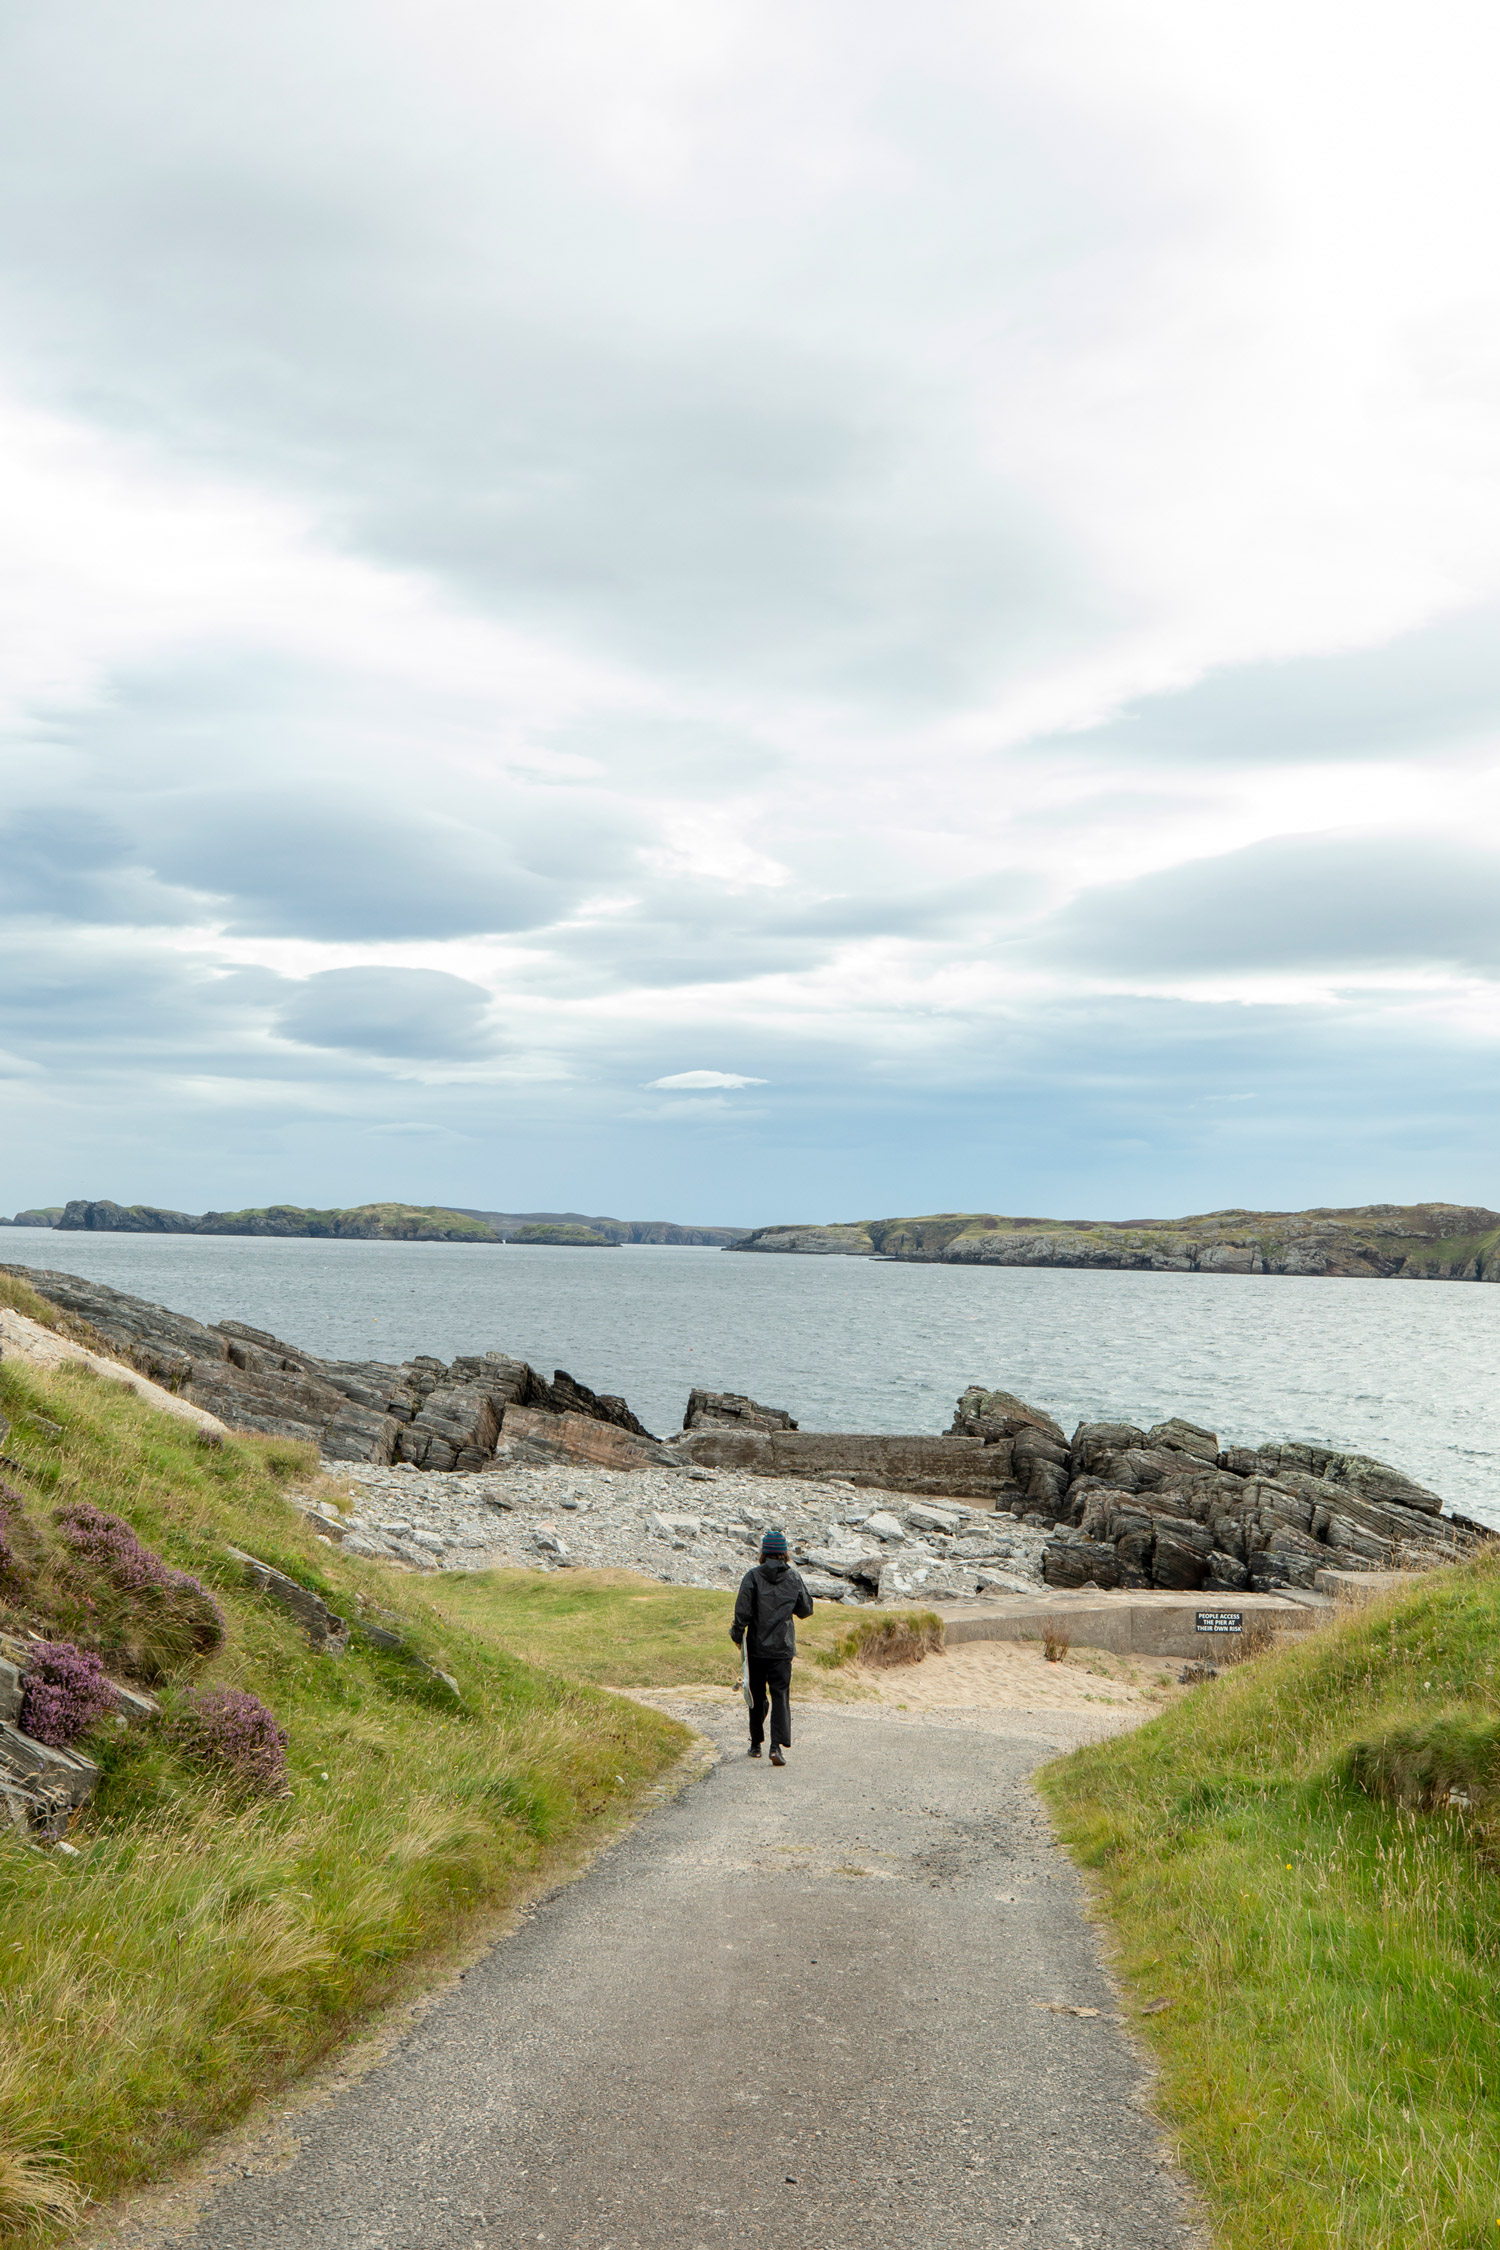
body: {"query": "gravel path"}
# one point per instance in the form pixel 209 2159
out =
pixel 819 2009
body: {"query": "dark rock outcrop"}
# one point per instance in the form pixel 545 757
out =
pixel 1168 1507
pixel 435 1415
pixel 1036 1445
pixel 731 1410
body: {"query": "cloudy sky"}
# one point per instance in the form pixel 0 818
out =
pixel 748 611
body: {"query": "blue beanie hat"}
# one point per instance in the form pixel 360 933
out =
pixel 774 1543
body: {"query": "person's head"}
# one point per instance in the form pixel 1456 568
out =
pixel 773 1547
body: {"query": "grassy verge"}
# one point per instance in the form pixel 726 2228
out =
pixel 203 1946
pixel 614 1627
pixel 1280 1863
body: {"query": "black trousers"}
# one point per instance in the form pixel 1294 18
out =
pixel 771 1681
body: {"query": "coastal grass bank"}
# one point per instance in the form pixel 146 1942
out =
pixel 1298 1865
pixel 225 1909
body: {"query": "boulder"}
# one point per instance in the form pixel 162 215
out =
pixel 528 1436
pixel 994 1415
pixel 841 1562
pixel 1355 1472
pixel 41 1787
pixel 884 1525
pixel 564 1395
pixel 1178 1436
pixel 325 1632
pixel 1093 1442
pixel 824 1587
pixel 925 1517
pixel 905 1577
pixel 731 1410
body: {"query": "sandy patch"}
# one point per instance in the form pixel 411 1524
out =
pixel 976 1677
pixel 1015 1676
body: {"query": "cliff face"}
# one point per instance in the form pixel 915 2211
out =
pixel 1380 1241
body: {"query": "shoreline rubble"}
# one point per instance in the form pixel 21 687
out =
pixel 699 1528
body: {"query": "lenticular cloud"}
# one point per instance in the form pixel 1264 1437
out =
pixel 695 1081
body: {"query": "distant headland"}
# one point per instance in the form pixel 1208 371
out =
pixel 377 1222
pixel 1377 1241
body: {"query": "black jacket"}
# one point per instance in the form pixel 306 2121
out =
pixel 770 1597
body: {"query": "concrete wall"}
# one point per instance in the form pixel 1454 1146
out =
pixel 961 1468
pixel 1161 1625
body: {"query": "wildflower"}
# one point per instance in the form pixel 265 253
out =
pixel 232 1732
pixel 63 1693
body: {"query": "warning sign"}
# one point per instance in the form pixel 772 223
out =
pixel 1221 1621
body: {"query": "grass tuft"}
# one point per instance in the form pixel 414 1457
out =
pixel 36 2194
pixel 903 1638
pixel 1429 1764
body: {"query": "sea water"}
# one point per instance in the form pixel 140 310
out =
pixel 1404 1370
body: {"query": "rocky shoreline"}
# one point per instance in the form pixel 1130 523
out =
pixel 481 1461
pixel 1378 1241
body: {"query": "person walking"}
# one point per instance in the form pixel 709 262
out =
pixel 771 1597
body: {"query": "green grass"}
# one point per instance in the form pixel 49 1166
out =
pixel 200 1949
pixel 1330 1946
pixel 614 1627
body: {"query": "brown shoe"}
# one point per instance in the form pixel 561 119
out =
pixel 776 1757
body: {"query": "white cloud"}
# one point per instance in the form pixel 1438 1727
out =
pixel 697 1081
pixel 910 478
